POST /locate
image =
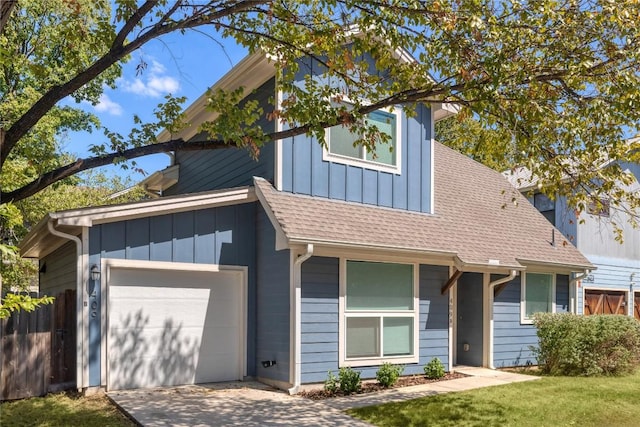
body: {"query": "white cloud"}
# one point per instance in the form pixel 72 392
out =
pixel 154 82
pixel 106 105
pixel 157 68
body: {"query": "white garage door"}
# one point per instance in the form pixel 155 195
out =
pixel 168 327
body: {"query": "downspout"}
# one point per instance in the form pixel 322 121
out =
pixel 297 321
pixel 573 288
pixel 491 287
pixel 80 356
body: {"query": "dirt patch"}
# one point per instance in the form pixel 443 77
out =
pixel 372 386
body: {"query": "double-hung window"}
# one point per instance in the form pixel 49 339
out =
pixel 385 156
pixel 380 313
pixel 537 295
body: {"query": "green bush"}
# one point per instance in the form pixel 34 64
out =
pixel 349 380
pixel 434 369
pixel 587 345
pixel 331 384
pixel 388 374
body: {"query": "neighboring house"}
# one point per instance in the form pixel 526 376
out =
pixel 305 261
pixel 614 286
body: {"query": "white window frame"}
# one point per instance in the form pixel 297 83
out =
pixel 328 156
pixel 524 320
pixel 343 314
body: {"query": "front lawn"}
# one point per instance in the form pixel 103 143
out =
pixel 550 401
pixel 62 409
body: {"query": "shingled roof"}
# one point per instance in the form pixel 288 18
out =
pixel 480 220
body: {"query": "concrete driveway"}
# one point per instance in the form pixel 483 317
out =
pixel 255 404
pixel 227 404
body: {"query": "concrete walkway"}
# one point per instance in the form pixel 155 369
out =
pixel 255 404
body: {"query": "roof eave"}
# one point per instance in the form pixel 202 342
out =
pixel 556 266
pixel 302 240
pixel 251 72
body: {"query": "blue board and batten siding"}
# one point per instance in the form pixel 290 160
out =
pixel 305 172
pixel 320 319
pixel 511 339
pixel 273 311
pixel 223 235
pixel 228 167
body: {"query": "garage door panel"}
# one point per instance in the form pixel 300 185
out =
pixel 599 301
pixel 160 278
pixel 156 312
pixel 173 334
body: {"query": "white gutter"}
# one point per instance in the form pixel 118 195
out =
pixel 296 322
pixel 80 354
pixel 573 291
pixel 489 311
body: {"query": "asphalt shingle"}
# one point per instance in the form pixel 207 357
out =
pixel 479 216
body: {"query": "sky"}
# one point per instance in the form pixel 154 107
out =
pixel 181 65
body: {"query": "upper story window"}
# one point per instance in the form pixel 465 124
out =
pixel 545 206
pixel 385 156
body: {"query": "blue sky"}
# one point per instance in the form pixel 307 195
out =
pixel 181 65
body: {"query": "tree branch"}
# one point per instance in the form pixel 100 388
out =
pixel 93 162
pixel 117 52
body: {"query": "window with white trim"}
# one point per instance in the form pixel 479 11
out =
pixel 537 295
pixel 380 313
pixel 385 156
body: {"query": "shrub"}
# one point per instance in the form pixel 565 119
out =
pixel 587 345
pixel 331 384
pixel 388 374
pixel 434 369
pixel 349 380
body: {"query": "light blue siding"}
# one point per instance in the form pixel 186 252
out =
pixel 469 320
pixel 434 316
pixel 228 167
pixel 320 319
pixel 320 287
pixel 511 340
pixel 273 296
pixel 222 235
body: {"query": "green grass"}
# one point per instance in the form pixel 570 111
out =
pixel 62 409
pixel 550 401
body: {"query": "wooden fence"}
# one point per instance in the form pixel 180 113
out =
pixel 38 349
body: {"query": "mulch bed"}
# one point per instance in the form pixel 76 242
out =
pixel 372 386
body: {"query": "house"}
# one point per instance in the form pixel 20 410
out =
pixel 614 286
pixel 306 260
